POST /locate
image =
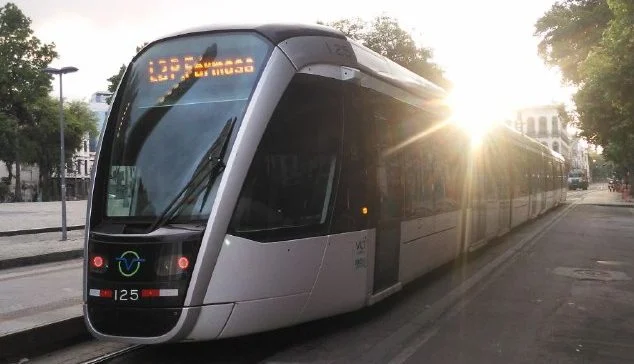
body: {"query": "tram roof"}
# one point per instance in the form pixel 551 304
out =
pixel 367 60
pixel 275 32
pixel 528 141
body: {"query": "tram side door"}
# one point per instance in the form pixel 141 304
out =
pixel 390 206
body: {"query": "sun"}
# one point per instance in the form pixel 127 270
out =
pixel 472 111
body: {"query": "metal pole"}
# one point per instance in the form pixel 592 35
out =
pixel 62 164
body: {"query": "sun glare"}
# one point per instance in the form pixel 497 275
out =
pixel 472 111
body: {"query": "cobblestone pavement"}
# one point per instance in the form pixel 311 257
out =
pixel 35 215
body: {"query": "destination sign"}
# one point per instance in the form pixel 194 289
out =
pixel 181 68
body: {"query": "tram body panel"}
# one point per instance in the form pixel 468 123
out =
pixel 493 217
pixel 263 315
pixel 266 95
pixel 520 208
pixel 210 322
pixel 447 226
pixel 249 270
pixel 309 50
pixel 427 243
pixel 417 252
pixel 186 321
pixel 343 283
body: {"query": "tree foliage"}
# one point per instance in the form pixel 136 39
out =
pixel 569 31
pixel 114 80
pixel 8 135
pixel 22 58
pixel 592 42
pixel 42 138
pixel 385 36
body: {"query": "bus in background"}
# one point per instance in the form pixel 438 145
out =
pixel 577 178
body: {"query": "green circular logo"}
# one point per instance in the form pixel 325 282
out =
pixel 129 263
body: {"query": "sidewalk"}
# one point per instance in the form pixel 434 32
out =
pixel 30 217
pixel 22 250
pixel 607 198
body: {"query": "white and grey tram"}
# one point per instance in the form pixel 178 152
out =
pixel 251 178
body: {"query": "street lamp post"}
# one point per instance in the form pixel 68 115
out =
pixel 62 164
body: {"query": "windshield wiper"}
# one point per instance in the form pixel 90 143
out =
pixel 210 166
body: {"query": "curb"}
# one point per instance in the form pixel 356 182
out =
pixel 41 259
pixel 42 339
pixel 628 205
pixel 40 230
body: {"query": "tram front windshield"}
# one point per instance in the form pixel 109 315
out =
pixel 175 103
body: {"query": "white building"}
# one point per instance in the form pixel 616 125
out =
pixel 99 105
pixel 78 177
pixel 544 124
pixel 580 158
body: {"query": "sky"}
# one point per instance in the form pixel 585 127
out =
pixel 486 47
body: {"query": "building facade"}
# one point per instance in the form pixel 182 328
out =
pixel 99 105
pixel 580 158
pixel 78 173
pixel 544 124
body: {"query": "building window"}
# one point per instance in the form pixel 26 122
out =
pixel 530 126
pixel 86 167
pixel 543 126
pixel 78 167
pixel 555 126
pixel 85 146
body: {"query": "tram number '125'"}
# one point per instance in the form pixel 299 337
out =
pixel 126 294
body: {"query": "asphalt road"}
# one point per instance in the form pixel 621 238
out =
pixel 562 293
pixel 567 299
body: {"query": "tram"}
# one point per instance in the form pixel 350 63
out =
pixel 255 177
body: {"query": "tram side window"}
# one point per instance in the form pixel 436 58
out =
pixel 289 188
pixel 500 161
pixel 522 172
pixel 357 180
pixel 405 160
pixel 418 180
pixel 449 170
pixel 491 160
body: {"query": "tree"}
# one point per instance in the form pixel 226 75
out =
pixel 114 80
pixel 592 42
pixel 569 31
pixel 43 136
pixel 22 57
pixel 386 37
pixel 8 131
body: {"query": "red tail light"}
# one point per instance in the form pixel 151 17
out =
pixel 183 263
pixel 97 262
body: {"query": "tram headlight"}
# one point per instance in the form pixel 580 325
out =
pixel 170 265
